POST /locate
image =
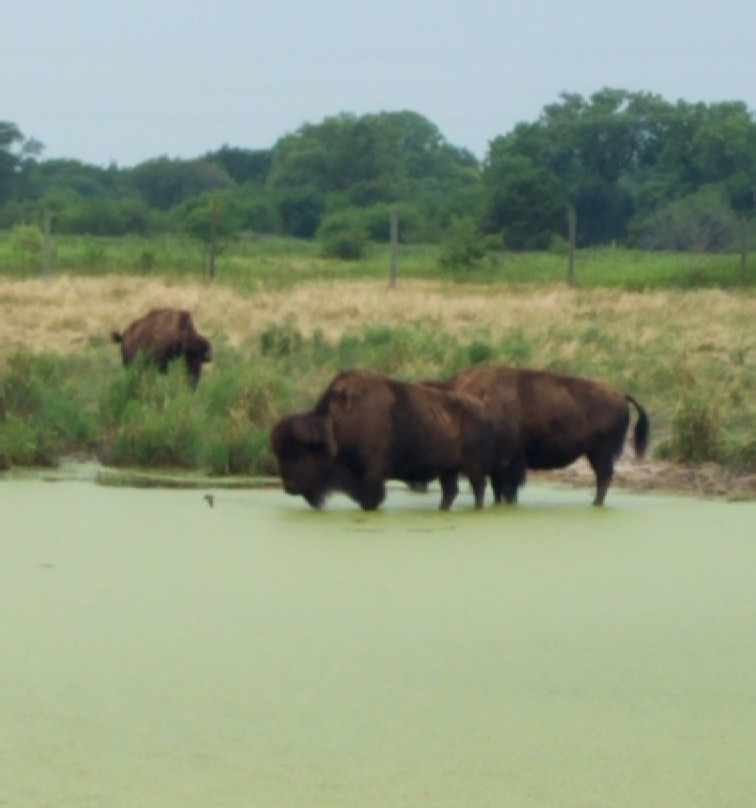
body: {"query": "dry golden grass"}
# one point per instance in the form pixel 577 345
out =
pixel 64 313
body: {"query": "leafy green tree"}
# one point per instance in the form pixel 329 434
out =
pixel 702 221
pixel 240 208
pixel 301 210
pixel 619 157
pixel 164 182
pixel 343 153
pixel 9 160
pixel 87 180
pixel 244 165
pixel 625 160
pixel 75 213
pixel 594 144
pixel 525 202
pixel 388 157
pixel 723 150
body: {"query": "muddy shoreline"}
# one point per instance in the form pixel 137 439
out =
pixel 707 480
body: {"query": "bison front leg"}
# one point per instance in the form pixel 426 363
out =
pixel 449 489
pixel 193 371
pixel 371 494
pixel 498 486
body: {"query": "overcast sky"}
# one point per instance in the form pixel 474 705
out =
pixel 103 81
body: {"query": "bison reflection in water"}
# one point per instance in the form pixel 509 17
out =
pixel 553 419
pixel 162 336
pixel 367 428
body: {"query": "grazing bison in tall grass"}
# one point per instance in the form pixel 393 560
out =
pixel 367 428
pixel 554 420
pixel 162 336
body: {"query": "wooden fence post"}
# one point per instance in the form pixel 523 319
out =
pixel 47 244
pixel 213 235
pixel 572 231
pixel 744 246
pixel 394 227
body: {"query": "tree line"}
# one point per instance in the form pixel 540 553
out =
pixel 637 169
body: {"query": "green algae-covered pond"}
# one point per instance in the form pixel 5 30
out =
pixel 158 652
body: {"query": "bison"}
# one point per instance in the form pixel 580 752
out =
pixel 367 428
pixel 163 335
pixel 553 419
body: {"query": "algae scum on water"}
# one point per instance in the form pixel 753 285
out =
pixel 157 651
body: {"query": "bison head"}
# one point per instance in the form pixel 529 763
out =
pixel 197 351
pixel 305 448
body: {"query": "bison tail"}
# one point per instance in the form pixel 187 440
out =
pixel 116 337
pixel 640 435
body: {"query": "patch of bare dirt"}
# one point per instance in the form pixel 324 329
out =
pixel 706 480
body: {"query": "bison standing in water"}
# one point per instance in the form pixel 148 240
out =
pixel 554 420
pixel 162 336
pixel 367 428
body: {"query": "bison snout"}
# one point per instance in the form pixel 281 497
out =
pixel 290 487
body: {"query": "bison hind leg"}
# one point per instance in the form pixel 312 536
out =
pixel 507 480
pixel 602 464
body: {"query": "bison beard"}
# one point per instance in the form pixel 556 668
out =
pixel 367 428
pixel 553 419
pixel 162 336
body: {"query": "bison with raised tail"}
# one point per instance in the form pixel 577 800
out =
pixel 367 428
pixel 162 336
pixel 554 420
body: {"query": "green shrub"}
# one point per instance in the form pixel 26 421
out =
pixel 238 449
pixel 344 236
pixel 18 441
pixel 26 241
pixel 558 244
pixel 281 340
pixel 740 456
pixel 697 434
pixel 464 247
pixel 171 438
pixel 516 348
pixel 349 351
pixel 479 352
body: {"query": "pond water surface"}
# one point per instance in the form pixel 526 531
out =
pixel 158 652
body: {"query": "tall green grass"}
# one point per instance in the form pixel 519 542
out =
pixel 43 410
pixel 54 406
pixel 273 262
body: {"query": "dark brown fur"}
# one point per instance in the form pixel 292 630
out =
pixel 162 336
pixel 367 428
pixel 554 420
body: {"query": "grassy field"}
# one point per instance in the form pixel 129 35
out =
pixel 283 320
pixel 257 261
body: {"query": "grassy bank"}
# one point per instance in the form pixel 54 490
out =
pixel 687 355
